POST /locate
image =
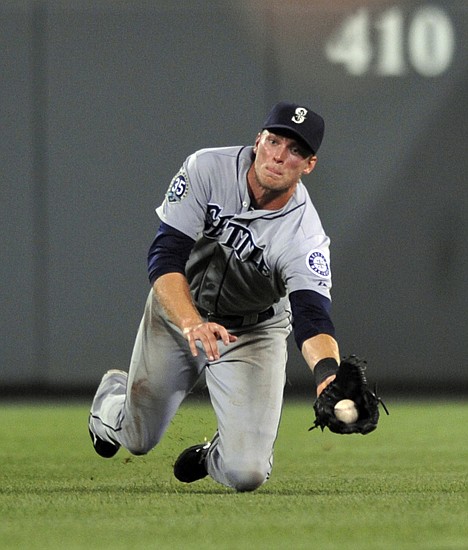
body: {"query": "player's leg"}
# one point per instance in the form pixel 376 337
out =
pixel 246 388
pixel 134 410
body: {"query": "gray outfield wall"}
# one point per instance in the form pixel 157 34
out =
pixel 100 103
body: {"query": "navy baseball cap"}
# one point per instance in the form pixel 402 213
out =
pixel 299 121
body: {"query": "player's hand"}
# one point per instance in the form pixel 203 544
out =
pixel 325 383
pixel 208 334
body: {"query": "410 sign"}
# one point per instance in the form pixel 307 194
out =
pixel 391 42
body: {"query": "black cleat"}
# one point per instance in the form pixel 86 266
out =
pixel 190 466
pixel 103 448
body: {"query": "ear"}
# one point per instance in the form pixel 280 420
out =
pixel 257 140
pixel 311 162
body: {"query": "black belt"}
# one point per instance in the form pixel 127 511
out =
pixel 237 321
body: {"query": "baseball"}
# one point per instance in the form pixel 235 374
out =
pixel 346 411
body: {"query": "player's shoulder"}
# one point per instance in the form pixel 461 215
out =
pixel 302 198
pixel 218 162
pixel 307 221
pixel 217 154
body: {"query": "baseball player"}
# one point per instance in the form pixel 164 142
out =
pixel 239 260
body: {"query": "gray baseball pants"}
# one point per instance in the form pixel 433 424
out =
pixel 245 386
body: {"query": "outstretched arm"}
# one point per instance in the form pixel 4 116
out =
pixel 314 334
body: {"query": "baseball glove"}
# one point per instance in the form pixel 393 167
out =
pixel 350 383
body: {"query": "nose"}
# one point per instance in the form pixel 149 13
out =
pixel 280 154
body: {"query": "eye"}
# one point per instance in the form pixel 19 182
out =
pixel 298 151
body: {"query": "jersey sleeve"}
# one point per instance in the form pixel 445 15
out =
pixel 305 265
pixel 184 204
pixel 169 252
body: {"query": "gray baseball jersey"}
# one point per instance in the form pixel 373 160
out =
pixel 244 260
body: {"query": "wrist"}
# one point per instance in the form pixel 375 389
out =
pixel 324 369
pixel 188 324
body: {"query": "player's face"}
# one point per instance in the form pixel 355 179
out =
pixel 280 162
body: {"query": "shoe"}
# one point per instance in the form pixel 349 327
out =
pixel 191 464
pixel 108 383
pixel 103 448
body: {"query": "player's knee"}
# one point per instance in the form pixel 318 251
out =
pixel 139 447
pixel 245 478
pixel 139 450
pixel 244 481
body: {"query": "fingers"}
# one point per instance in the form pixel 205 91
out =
pixel 208 334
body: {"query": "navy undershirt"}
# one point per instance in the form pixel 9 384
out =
pixel 169 252
pixel 171 249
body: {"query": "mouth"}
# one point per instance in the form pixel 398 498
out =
pixel 274 171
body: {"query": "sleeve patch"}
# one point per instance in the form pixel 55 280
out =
pixel 317 263
pixel 178 188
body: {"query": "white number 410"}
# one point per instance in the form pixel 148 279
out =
pixel 430 42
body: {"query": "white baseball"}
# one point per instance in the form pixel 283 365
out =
pixel 346 411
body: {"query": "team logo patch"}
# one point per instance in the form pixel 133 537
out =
pixel 178 187
pixel 317 263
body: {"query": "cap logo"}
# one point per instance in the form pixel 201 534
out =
pixel 299 115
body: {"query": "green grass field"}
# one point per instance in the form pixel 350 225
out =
pixel 401 487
